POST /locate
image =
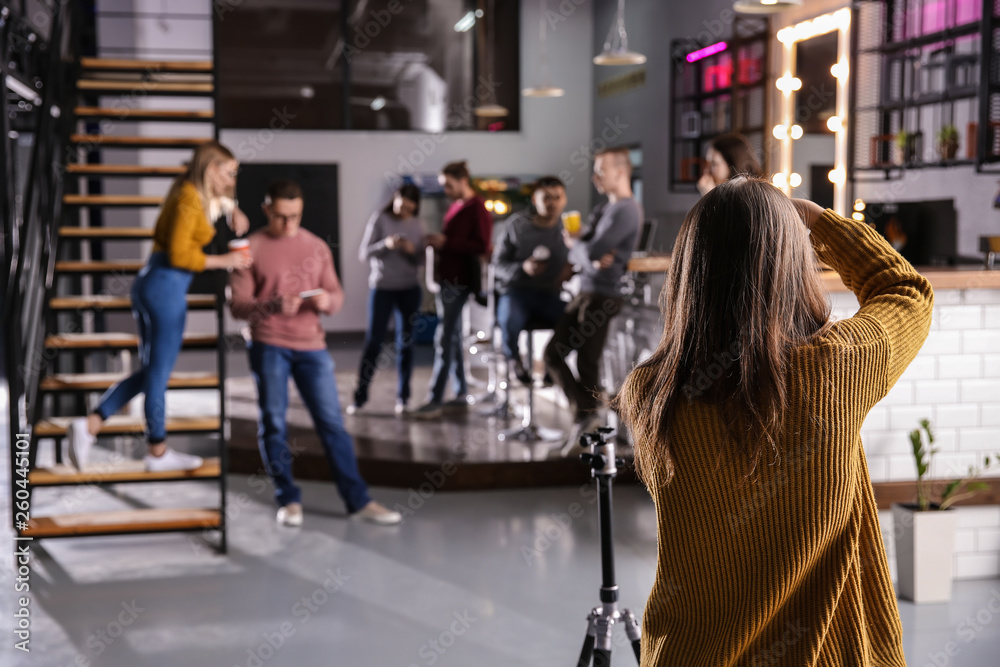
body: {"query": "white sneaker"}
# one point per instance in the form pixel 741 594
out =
pixel 80 442
pixel 290 515
pixel 376 513
pixel 171 460
pixel 400 408
pixel 352 409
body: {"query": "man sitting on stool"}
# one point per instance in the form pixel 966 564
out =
pixel 601 253
pixel 530 265
pixel 291 282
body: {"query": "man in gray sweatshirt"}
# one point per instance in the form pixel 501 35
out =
pixel 529 262
pixel 601 253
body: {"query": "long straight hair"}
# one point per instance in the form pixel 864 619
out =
pixel 743 291
pixel 204 155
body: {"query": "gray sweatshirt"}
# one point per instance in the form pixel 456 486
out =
pixel 616 228
pixel 517 242
pixel 392 269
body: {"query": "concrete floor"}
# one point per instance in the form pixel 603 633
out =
pixel 485 578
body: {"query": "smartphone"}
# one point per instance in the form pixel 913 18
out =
pixel 310 292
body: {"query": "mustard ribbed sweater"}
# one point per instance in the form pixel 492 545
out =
pixel 182 229
pixel 790 569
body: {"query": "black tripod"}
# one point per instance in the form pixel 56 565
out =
pixel 601 621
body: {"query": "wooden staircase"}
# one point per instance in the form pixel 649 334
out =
pixel 84 349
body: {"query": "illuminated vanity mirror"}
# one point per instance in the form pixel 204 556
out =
pixel 811 131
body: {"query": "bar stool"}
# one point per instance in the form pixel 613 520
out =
pixel 529 431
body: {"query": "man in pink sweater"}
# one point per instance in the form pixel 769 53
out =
pixel 291 282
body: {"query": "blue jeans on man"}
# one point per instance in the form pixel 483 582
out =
pixel 448 357
pixel 519 306
pixel 312 371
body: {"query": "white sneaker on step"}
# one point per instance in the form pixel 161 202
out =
pixel 171 460
pixel 80 441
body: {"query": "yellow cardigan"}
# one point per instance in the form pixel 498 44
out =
pixel 790 569
pixel 183 229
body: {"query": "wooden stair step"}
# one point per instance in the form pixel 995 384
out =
pixel 123 521
pixel 143 114
pixel 131 266
pixel 122 170
pixel 105 302
pixel 119 141
pixel 55 427
pixel 101 381
pixel 106 233
pixel 117 341
pixel 112 200
pixel 135 65
pixel 124 472
pixel 146 87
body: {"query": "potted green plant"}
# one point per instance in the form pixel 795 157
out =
pixel 907 144
pixel 948 142
pixel 924 531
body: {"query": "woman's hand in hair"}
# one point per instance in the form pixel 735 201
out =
pixel 808 211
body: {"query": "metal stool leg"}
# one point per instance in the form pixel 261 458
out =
pixel 529 432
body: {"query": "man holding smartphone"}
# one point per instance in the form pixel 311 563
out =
pixel 282 296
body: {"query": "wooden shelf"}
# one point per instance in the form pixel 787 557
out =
pixel 57 427
pixel 132 65
pixel 102 302
pixel 127 472
pixel 117 341
pixel 124 521
pixel 102 381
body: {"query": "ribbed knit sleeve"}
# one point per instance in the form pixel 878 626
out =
pixel 182 230
pixel 891 293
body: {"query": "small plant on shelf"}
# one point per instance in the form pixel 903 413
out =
pixel 954 490
pixel 948 142
pixel 907 144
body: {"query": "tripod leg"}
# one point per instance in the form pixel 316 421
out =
pixel 632 630
pixel 587 653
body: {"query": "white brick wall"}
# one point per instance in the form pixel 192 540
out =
pixel 955 383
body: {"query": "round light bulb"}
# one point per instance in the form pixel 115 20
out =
pixel 780 132
pixel 794 180
pixel 837 176
pixel 834 124
pixel 778 180
pixel 796 132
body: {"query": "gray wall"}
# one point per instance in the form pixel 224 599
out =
pixel 554 135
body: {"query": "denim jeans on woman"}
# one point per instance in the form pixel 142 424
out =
pixel 381 303
pixel 159 305
pixel 312 371
pixel 448 353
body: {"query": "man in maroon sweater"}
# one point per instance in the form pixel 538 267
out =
pixel 464 238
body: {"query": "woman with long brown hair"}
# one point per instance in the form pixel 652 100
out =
pixel 201 194
pixel 746 427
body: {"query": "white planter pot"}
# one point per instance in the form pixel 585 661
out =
pixel 925 543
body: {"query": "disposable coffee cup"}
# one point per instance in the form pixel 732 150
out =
pixel 240 245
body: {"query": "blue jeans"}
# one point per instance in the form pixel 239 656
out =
pixel 517 307
pixel 159 305
pixel 448 354
pixel 312 371
pixel 381 303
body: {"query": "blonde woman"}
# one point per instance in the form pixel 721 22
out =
pixel 159 300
